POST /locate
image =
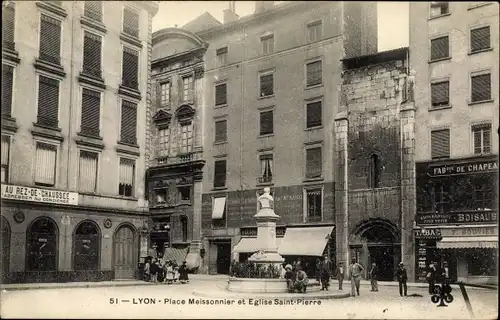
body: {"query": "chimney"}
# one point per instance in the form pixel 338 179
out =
pixel 263 6
pixel 230 13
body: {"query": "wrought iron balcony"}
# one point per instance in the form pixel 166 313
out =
pixel 180 158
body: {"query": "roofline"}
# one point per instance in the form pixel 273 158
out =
pixel 178 56
pixel 382 54
pixel 160 34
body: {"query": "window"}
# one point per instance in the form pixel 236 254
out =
pixel 481 138
pixel 131 22
pixel 314 31
pixel 50 40
pixel 165 94
pixel 314 73
pixel 86 252
pixel 266 122
pixel 313 114
pixel 440 48
pixel 187 88
pixel 87 174
pixel 91 112
pixel 130 68
pixel 187 138
pixel 442 201
pixel 184 227
pixel 266 84
pixel 314 202
pixel 374 174
pixel 127 177
pixel 439 8
pixel 128 132
pixel 482 262
pixel 219 212
pixel 479 39
pixel 161 196
pixel 221 94
pixel 266 168
pixel 481 87
pixel 440 144
pixel 45 164
pixel 220 174
pixel 163 141
pixel 483 197
pixel 440 94
pixel 41 245
pixel 220 131
pixel 8 26
pixel 48 102
pixel 7 89
pixel 92 55
pixel 93 10
pixel 184 193
pixel 221 56
pixel 313 163
pixel 5 158
pixel 267 44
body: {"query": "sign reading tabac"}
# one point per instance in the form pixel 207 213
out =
pixel 39 195
pixel 463 168
pixel 428 234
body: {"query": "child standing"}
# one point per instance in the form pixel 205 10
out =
pixel 154 271
pixel 170 273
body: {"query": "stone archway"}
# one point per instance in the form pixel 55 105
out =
pixel 5 227
pixel 42 239
pixel 125 251
pixel 86 246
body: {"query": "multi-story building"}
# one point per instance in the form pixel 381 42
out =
pixel 454 52
pixel 74 97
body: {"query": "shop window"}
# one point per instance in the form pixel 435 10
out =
pixel 41 242
pixel 482 262
pixel 184 227
pixel 184 193
pixel 442 199
pixel 314 205
pixel 86 247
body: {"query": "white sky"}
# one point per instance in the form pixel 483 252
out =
pixel 392 17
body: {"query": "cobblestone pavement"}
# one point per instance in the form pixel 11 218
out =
pixel 130 302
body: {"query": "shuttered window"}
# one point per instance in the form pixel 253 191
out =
pixel 267 85
pixel 5 158
pixel 8 26
pixel 313 114
pixel 220 94
pixel 314 31
pixel 87 171
pixel 163 142
pixel 481 87
pixel 128 131
pixel 439 8
pixel 93 10
pixel 266 122
pixel 187 138
pixel 7 88
pixel 220 174
pixel 50 40
pixel 314 73
pixel 187 88
pixel 48 102
pixel 440 94
pixel 221 56
pixel 127 177
pixel 130 68
pixel 482 138
pixel 91 112
pixel 313 163
pixel 45 164
pixel 220 131
pixel 92 55
pixel 440 144
pixel 131 22
pixel 440 48
pixel 267 44
pixel 479 39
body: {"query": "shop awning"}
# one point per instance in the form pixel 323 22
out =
pixel 305 241
pixel 249 245
pixel 219 204
pixel 467 242
pixel 176 254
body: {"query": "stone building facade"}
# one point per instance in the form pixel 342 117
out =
pixel 74 97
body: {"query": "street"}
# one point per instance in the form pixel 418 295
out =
pixel 162 301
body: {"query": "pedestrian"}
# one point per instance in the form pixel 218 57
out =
pixel 183 273
pixel 340 274
pixel 282 271
pixel 147 266
pixel 355 270
pixel 300 284
pixel 318 270
pixel 289 278
pixel 402 277
pixel 431 277
pixel 154 271
pixel 374 277
pixel 161 271
pixel 326 267
pixel 170 272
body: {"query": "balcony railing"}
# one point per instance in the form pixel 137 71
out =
pixel 265 179
pixel 180 158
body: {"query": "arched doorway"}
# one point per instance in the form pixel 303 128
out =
pixel 5 246
pixel 125 250
pixel 377 240
pixel 86 246
pixel 41 245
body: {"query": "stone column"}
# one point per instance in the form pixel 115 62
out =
pixel 193 259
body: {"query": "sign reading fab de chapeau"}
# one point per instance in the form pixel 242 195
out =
pixel 39 195
pixel 463 168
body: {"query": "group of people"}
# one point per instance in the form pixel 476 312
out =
pixel 436 273
pixel 296 277
pixel 159 271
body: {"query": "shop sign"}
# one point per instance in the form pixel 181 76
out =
pixel 463 168
pixel 471 231
pixel 428 234
pixel 39 195
pixel 478 217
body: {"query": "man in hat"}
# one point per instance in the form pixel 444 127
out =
pixel 402 277
pixel 355 270
pixel 326 267
pixel 289 278
pixel 340 274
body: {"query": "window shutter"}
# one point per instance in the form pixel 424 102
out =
pixel 314 70
pixel 129 122
pixel 481 87
pixel 220 173
pixel 480 39
pixel 482 138
pixel 440 144
pixel 440 94
pixel 8 26
pixel 314 114
pixel 440 48
pixel 127 177
pixel 5 150
pixel 7 87
pixel 130 68
pixel 221 94
pixel 91 112
pixel 92 55
pixel 88 171
pixel 48 102
pixel 45 169
pixel 266 85
pixel 313 163
pixel 266 122
pixel 50 40
pixel 221 131
pixel 93 10
pixel 477 140
pixel 131 22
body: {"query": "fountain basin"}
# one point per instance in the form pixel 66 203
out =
pixel 253 285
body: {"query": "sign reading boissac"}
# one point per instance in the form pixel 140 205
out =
pixel 39 195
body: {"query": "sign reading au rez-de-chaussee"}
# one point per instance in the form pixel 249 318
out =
pixel 39 195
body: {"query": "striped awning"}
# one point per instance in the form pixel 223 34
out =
pixel 250 245
pixel 467 242
pixel 176 254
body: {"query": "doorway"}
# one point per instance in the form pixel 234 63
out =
pixel 383 256
pixel 125 251
pixel 223 257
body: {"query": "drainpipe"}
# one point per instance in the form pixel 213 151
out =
pixel 71 72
